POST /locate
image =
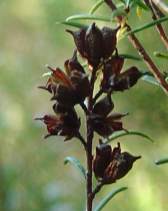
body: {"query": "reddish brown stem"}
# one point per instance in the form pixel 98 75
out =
pixel 159 27
pixel 89 145
pixel 138 46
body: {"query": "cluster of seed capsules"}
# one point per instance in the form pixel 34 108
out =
pixel 73 85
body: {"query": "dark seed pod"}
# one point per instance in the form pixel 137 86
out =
pixel 102 159
pixel 60 108
pixel 125 80
pixel 94 45
pixel 119 167
pixel 81 85
pixel 104 106
pixel 109 41
pixel 105 126
pixel 71 120
pixel 64 95
pixel 111 69
pixel 73 64
pixel 114 65
pixel 99 125
pixel 79 39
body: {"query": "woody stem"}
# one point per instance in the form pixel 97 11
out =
pixel 89 144
pixel 142 52
pixel 159 26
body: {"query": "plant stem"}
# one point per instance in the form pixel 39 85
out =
pixel 159 27
pixel 89 144
pixel 161 5
pixel 138 46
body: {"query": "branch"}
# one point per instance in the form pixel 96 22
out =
pixel 138 46
pixel 159 27
pixel 90 134
pixel 159 13
pixel 159 3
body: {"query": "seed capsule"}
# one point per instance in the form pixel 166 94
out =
pixel 109 41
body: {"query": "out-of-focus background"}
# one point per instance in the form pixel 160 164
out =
pixel 32 174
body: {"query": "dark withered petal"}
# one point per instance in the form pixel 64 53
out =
pixel 71 119
pixel 114 65
pixel 73 64
pixel 94 45
pixel 132 74
pixel 110 172
pixel 116 126
pixel 102 159
pixel 120 165
pixel 67 124
pixel 100 125
pixel 116 151
pixel 79 39
pixel 114 121
pixel 103 150
pixel 81 85
pixel 115 116
pixel 111 70
pixel 64 95
pixel 126 161
pixel 71 124
pixel 109 41
pixel 58 76
pixel 48 87
pixel 52 123
pixel 104 106
pixel 125 80
pixel 60 108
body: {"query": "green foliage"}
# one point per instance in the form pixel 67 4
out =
pixel 150 79
pixel 119 134
pixel 72 23
pixel 104 201
pixel 96 6
pixel 75 162
pixel 161 55
pixel 161 161
pixel 88 17
pixel 128 56
pixel 148 25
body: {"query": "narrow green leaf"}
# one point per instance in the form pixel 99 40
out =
pixel 96 6
pixel 148 25
pixel 128 133
pixel 141 4
pixel 127 3
pixel 161 161
pixel 104 201
pixel 75 162
pixel 47 74
pixel 118 12
pixel 161 55
pixel 127 56
pixel 88 17
pixel 150 79
pixel 71 23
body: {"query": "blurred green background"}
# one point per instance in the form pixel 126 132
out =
pixel 32 174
